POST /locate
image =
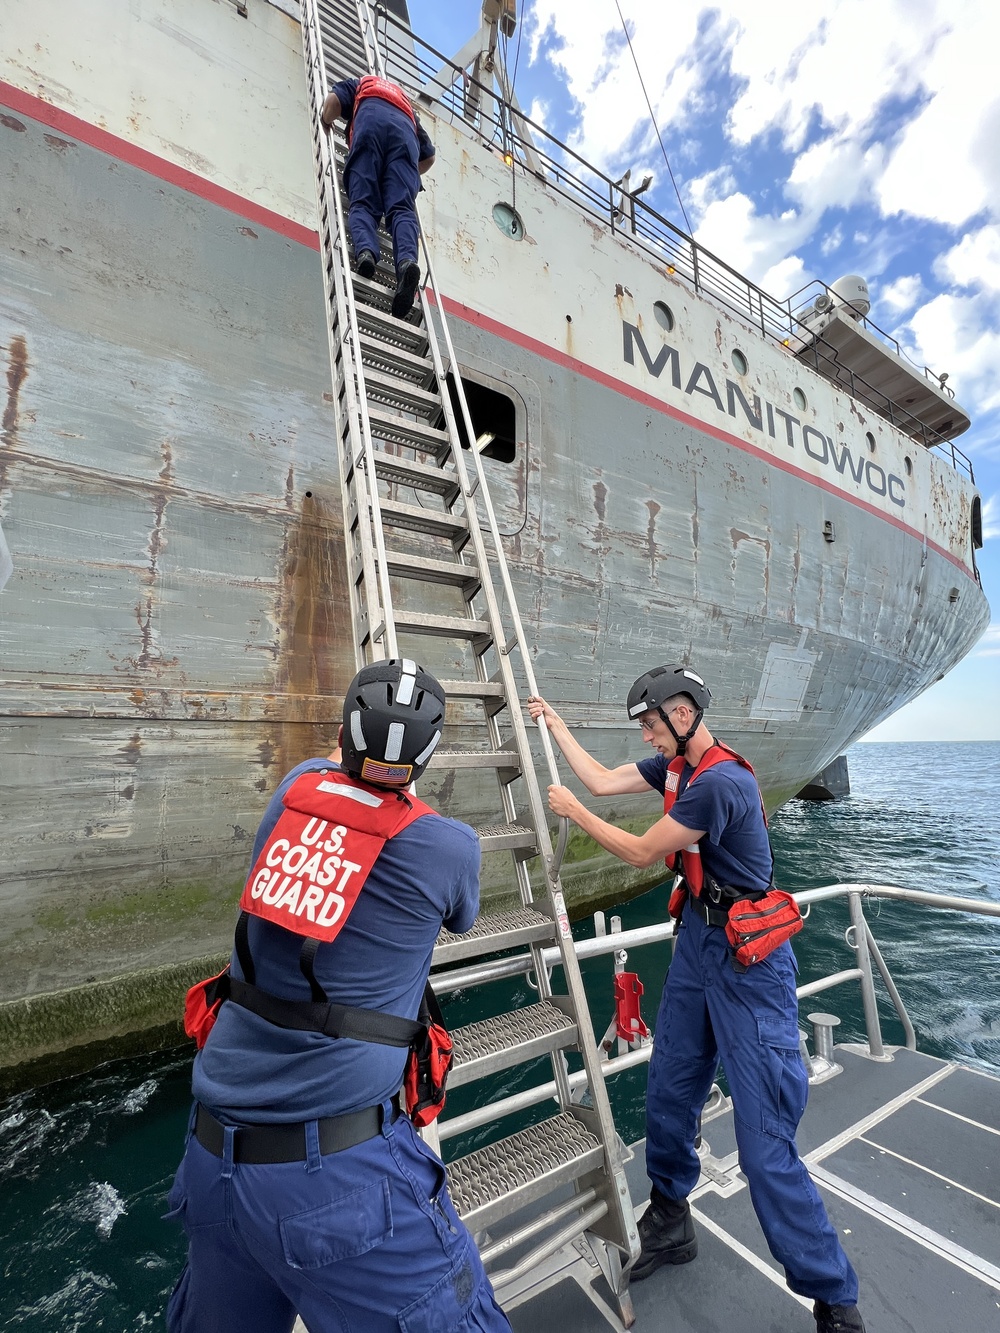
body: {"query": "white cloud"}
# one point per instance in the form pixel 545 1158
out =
pixel 755 244
pixel 959 334
pixel 902 295
pixel 991 520
pixel 833 173
pixel 975 261
pixel 832 240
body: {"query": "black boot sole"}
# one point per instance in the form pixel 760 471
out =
pixel 402 302
pixel 680 1254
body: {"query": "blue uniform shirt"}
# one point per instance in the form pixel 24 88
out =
pixel 250 1070
pixel 725 804
pixel 346 91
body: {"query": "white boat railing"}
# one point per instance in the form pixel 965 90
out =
pixel 858 936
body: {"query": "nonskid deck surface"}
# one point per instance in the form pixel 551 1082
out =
pixel 907 1157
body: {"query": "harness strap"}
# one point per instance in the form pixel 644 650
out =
pixel 307 959
pixel 334 1020
pixel 242 942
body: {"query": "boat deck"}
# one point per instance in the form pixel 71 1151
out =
pixel 907 1156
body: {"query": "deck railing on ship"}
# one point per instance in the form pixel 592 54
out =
pixel 867 960
pixel 527 148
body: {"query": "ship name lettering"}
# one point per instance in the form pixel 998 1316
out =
pixel 664 355
pixel 818 446
pixel 711 391
pixel 807 433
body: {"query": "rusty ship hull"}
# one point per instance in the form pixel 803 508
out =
pixel 173 632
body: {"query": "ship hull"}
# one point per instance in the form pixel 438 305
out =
pixel 174 634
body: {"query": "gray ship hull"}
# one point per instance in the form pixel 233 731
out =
pixel 173 634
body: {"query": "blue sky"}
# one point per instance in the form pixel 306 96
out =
pixel 811 141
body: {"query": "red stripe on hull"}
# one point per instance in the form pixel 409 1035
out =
pixel 36 108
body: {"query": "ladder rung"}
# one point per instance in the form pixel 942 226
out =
pixel 507 838
pixel 375 352
pixel 504 759
pixel 474 689
pixel 442 627
pixel 432 521
pixel 433 571
pixel 509 1039
pixel 494 1182
pixel 389 329
pixel 489 934
pixel 415 434
pixel 402 393
pixel 421 476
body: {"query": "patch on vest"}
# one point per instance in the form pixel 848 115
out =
pixel 672 780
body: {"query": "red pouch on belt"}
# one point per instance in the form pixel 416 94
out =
pixel 427 1069
pixel 755 929
pixel 202 1005
pixel 428 1064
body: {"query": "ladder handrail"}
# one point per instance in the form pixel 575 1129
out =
pixel 354 375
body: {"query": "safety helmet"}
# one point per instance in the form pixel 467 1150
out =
pixel 393 716
pixel 654 687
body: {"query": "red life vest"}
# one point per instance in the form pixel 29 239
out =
pixel 688 861
pixel 321 850
pixel 372 86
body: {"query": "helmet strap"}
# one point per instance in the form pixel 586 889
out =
pixel 682 740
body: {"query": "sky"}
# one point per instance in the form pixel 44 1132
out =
pixel 810 141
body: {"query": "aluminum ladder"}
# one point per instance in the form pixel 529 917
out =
pixel 421 535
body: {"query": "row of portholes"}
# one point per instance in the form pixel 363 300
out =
pixel 509 222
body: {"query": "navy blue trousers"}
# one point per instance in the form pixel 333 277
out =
pixel 361 1241
pixel 382 180
pixel 750 1019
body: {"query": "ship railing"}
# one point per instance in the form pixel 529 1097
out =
pixel 527 148
pixel 858 936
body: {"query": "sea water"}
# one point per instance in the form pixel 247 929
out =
pixel 85 1164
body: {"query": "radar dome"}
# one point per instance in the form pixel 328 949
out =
pixel 852 292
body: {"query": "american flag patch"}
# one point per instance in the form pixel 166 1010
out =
pixel 672 781
pixel 375 771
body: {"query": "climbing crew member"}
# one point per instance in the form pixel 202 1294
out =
pixel 304 1188
pixel 713 1004
pixel 388 152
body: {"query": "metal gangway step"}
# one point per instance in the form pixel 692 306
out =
pixel 429 580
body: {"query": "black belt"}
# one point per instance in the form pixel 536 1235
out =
pixel 711 915
pixel 260 1144
pixel 717 913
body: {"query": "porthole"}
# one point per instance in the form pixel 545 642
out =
pixel 664 315
pixel 871 440
pixel 908 464
pixel 740 364
pixel 509 221
pixel 799 399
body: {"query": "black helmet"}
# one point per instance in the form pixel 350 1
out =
pixel 393 716
pixel 661 683
pixel 653 689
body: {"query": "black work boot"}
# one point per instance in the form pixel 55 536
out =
pixel 406 285
pixel 365 264
pixel 667 1235
pixel 837 1318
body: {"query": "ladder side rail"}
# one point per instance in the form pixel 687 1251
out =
pixel 559 1070
pixel 482 487
pixel 341 292
pixel 570 962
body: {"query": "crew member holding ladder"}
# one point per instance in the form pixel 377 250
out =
pixel 729 992
pixel 305 1187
